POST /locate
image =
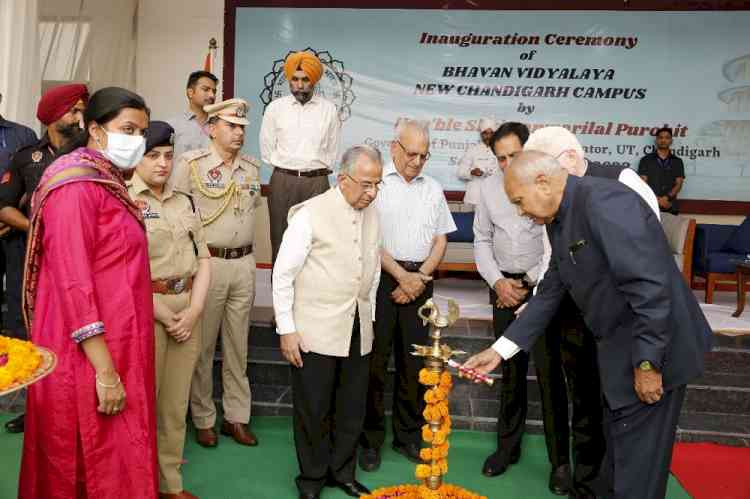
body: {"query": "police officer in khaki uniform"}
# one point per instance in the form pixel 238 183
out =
pixel 180 274
pixel 226 188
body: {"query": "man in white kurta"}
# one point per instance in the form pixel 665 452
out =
pixel 324 284
pixel 479 162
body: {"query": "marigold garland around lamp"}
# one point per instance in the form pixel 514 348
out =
pixel 437 417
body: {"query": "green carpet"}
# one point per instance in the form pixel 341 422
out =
pixel 267 472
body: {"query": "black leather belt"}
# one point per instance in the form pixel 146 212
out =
pixel 230 253
pixel 410 266
pixel 308 173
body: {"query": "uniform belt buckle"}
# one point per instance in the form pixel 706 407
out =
pixel 178 285
pixel 233 253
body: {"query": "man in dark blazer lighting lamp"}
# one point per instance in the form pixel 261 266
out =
pixel 610 252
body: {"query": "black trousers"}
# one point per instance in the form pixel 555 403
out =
pixel 287 191
pixel 640 438
pixel 567 354
pixel 511 418
pixel 397 327
pixel 329 407
pixel 14 247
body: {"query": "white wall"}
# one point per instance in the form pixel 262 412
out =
pixel 173 40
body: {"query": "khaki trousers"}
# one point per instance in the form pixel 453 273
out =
pixel 227 309
pixel 174 363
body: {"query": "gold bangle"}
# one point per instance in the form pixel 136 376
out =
pixel 103 385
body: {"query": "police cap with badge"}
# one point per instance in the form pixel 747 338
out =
pixel 231 110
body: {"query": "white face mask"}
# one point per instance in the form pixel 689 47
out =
pixel 124 151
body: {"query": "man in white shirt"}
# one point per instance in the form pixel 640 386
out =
pixel 324 284
pixel 478 162
pixel 191 127
pixel 299 139
pixel 414 220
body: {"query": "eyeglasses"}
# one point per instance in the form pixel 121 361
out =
pixel 368 186
pixel 414 155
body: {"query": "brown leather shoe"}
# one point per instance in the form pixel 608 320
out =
pixel 180 495
pixel 239 433
pixel 206 437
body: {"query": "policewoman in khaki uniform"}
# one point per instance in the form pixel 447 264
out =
pixel 180 277
pixel 226 188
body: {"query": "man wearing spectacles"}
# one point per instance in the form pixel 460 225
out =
pixel 327 333
pixel 414 220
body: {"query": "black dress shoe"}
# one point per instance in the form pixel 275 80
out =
pixel 369 459
pixel 576 495
pixel 559 480
pixel 15 425
pixel 409 451
pixel 496 464
pixel 352 489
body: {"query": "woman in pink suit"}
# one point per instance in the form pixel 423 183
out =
pixel 91 427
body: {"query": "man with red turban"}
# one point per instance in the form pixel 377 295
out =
pixel 299 139
pixel 61 111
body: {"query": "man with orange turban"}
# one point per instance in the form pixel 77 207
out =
pixel 299 139
pixel 306 62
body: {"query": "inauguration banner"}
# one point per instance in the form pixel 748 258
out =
pixel 612 78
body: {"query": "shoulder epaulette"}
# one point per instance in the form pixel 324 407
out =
pixel 251 159
pixel 195 154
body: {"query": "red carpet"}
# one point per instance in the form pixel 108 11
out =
pixel 711 471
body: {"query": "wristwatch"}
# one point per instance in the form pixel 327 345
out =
pixel 645 365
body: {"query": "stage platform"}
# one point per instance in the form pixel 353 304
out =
pixel 716 409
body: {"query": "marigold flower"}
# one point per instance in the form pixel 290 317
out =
pixel 21 360
pixel 422 471
pixel 427 377
pixel 427 434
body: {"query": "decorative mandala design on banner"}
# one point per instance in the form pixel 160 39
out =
pixel 335 84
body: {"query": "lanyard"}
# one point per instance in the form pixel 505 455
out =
pixel 3 143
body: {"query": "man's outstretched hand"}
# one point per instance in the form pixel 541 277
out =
pixel 484 362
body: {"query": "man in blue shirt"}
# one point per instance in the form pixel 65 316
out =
pixel 13 136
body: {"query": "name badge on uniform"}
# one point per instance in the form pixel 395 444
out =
pixel 213 178
pixel 146 210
